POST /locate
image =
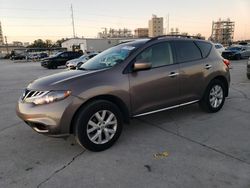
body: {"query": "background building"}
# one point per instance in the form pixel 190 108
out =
pixel 174 31
pixel 90 44
pixel 155 26
pixel 17 43
pixel 223 31
pixel 70 44
pixel 141 32
pixel 1 35
pixel 115 33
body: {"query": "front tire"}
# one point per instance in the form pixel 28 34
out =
pixel 214 97
pixel 79 65
pixel 98 125
pixel 238 57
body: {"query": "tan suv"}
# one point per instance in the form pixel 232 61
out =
pixel 129 80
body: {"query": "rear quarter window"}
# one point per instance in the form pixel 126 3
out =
pixel 187 51
pixel 218 46
pixel 205 48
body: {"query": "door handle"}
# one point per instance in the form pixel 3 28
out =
pixel 173 74
pixel 208 66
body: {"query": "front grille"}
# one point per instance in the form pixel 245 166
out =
pixel 32 94
pixel 227 54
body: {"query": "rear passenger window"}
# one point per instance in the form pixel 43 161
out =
pixel 205 48
pixel 159 55
pixel 64 55
pixel 187 51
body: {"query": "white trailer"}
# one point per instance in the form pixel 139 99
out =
pixel 97 45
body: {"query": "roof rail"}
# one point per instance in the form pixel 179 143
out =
pixel 177 36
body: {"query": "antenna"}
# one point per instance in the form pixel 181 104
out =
pixel 73 22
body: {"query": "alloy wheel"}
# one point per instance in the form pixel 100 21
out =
pixel 102 127
pixel 216 96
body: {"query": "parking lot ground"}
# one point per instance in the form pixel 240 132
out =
pixel 201 149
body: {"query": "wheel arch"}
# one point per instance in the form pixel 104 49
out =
pixel 224 81
pixel 111 98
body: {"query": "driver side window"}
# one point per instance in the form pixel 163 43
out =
pixel 64 55
pixel 158 55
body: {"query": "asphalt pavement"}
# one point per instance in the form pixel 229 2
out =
pixel 184 147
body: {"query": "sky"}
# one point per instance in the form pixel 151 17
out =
pixel 27 20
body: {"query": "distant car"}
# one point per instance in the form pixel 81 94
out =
pixel 42 55
pixel 219 47
pixel 59 59
pixel 237 52
pixel 38 56
pixel 18 57
pixel 248 69
pixel 244 43
pixel 74 63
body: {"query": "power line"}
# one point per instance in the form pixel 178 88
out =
pixel 36 25
pixel 29 9
pixel 33 18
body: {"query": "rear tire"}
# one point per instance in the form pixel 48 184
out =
pixel 51 66
pixel 98 125
pixel 238 57
pixel 214 97
pixel 248 76
pixel 54 66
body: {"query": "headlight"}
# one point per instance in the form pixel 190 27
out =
pixel 48 97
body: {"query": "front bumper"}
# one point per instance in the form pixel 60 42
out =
pixel 248 67
pixel 44 63
pixel 52 119
pixel 71 66
pixel 228 55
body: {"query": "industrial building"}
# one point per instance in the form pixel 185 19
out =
pixel 223 31
pixel 141 33
pixel 1 35
pixel 175 31
pixel 155 26
pixel 89 44
pixel 115 33
pixel 6 49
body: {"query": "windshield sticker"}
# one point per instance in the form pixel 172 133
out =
pixel 128 47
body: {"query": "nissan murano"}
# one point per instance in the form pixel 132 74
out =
pixel 129 80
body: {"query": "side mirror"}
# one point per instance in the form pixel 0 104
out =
pixel 142 66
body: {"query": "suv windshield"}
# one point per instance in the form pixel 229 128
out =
pixel 234 48
pixel 108 58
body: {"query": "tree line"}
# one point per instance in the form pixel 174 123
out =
pixel 39 43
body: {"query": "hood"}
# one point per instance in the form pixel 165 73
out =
pixel 48 58
pixel 73 61
pixel 57 81
pixel 231 51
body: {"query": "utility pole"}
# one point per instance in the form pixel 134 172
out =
pixel 73 22
pixel 6 44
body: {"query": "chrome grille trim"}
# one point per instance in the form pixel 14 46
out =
pixel 32 94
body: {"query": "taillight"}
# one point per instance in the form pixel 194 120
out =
pixel 226 62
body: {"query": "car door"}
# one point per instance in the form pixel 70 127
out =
pixel 192 68
pixel 245 52
pixel 62 59
pixel 158 87
pixel 72 55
